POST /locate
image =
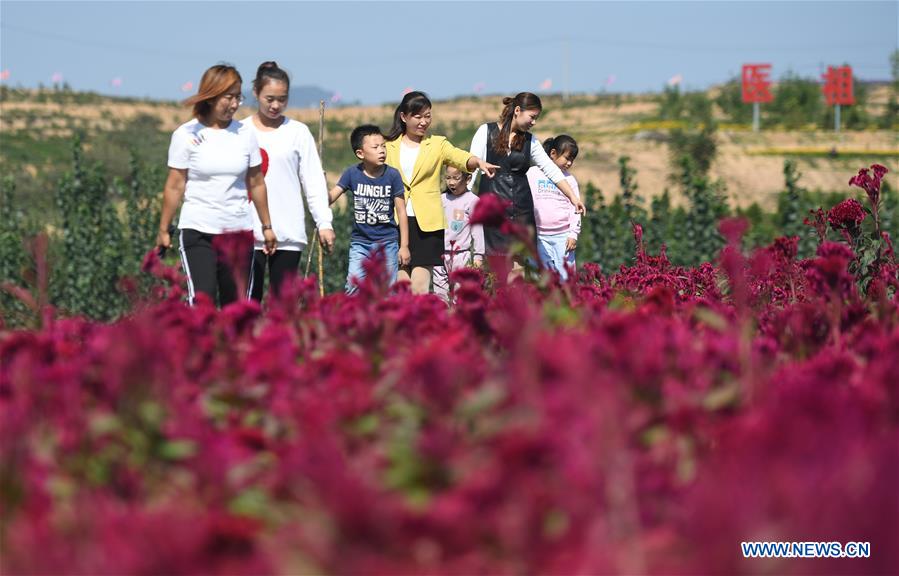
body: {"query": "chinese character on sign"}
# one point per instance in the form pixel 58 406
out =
pixel 756 83
pixel 838 86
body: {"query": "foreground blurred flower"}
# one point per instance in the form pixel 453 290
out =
pixel 489 211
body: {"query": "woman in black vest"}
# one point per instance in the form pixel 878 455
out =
pixel 509 144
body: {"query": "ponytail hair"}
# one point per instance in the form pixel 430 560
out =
pixel 563 144
pixel 215 82
pixel 523 100
pixel 412 103
pixel 267 72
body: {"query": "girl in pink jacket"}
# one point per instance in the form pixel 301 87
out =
pixel 558 223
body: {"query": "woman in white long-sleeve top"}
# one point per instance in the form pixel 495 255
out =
pixel 292 168
pixel 509 144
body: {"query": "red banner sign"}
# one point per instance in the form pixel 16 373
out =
pixel 838 85
pixel 756 83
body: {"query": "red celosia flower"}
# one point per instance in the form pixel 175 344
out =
pixel 818 222
pixel 847 215
pixel 638 240
pixel 786 247
pixel 870 184
pixel 388 433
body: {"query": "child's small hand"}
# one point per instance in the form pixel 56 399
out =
pixel 404 256
pixel 570 244
pixel 579 208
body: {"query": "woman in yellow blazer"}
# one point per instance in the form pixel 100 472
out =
pixel 419 158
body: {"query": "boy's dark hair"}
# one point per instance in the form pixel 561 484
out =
pixel 360 132
pixel 562 144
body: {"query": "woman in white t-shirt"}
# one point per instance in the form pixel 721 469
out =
pixel 213 161
pixel 291 167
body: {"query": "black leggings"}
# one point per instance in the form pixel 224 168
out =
pixel 281 265
pixel 205 272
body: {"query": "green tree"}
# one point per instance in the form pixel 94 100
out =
pixel 86 275
pixel 13 255
pixel 139 198
pixel 789 202
pixel 659 230
pixel 701 146
pixel 631 204
pixel 730 102
pixel 890 118
pixel 707 205
pixel 670 103
pixel 797 101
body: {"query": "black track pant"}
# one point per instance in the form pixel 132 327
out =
pixel 281 265
pixel 205 272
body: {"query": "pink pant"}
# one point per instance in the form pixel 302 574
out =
pixel 440 274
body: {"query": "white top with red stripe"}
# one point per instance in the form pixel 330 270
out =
pixel 294 169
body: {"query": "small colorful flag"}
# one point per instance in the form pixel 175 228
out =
pixel 610 80
pixel 187 86
pixel 4 76
pixel 546 84
pixel 116 82
pixel 676 80
pixel 406 90
pixel 56 78
pixel 336 97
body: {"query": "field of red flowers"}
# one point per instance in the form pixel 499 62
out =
pixel 642 421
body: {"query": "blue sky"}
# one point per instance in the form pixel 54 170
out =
pixel 372 51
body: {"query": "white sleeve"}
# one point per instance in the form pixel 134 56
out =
pixel 253 143
pixel 574 222
pixel 479 149
pixel 312 177
pixel 179 151
pixel 540 159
